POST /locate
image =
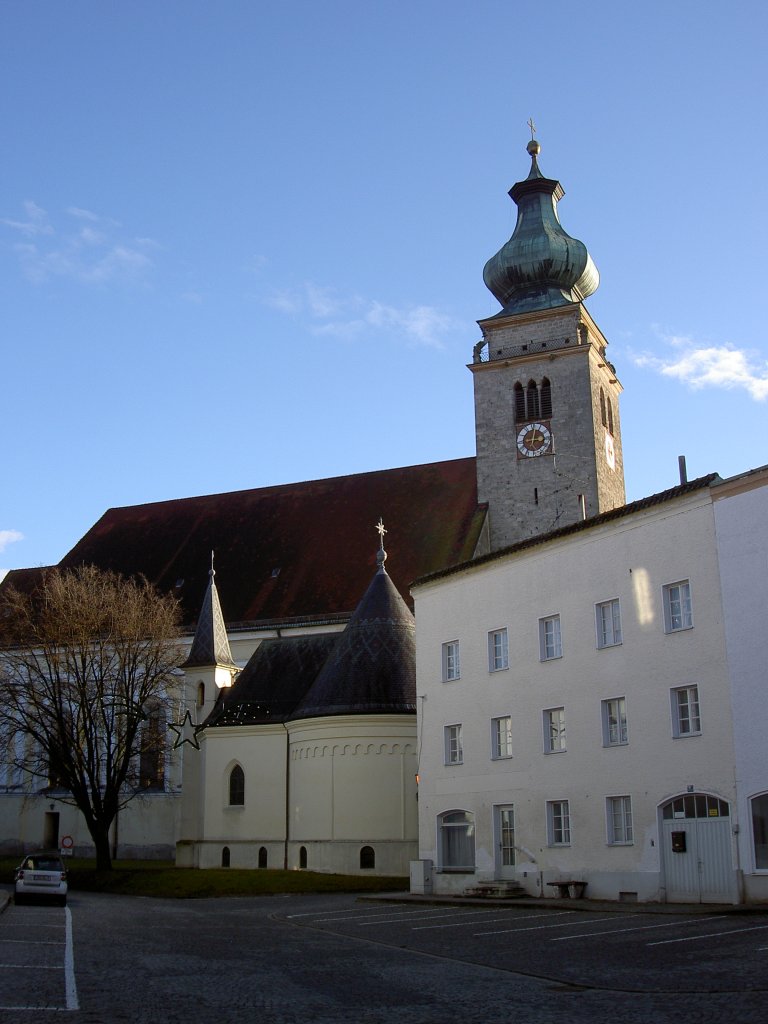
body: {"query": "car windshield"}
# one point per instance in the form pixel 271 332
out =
pixel 43 864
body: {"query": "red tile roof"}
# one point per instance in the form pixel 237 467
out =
pixel 296 550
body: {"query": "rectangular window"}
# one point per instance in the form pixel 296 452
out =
pixel 686 719
pixel 549 638
pixel 608 622
pixel 619 818
pixel 614 713
pixel 451 664
pixel 554 730
pixel 677 607
pixel 558 823
pixel 498 650
pixel 760 831
pixel 501 737
pixel 454 751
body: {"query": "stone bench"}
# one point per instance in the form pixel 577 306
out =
pixel 569 889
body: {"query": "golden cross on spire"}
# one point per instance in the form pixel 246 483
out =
pixel 381 554
pixel 532 126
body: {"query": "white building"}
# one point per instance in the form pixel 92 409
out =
pixel 590 704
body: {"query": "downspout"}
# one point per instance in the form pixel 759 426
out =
pixel 287 796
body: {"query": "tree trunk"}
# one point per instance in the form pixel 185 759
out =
pixel 100 835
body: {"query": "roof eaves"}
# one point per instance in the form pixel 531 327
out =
pixel 586 524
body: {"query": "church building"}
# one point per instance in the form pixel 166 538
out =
pixel 319 726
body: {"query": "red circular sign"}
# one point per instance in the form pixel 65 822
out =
pixel 67 842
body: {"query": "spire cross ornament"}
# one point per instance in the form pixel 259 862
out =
pixel 212 572
pixel 381 554
pixel 532 126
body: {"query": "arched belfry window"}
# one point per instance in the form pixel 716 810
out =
pixel 610 415
pixel 237 787
pixel 200 694
pixel 603 419
pixel 545 396
pixel 532 400
pixel 519 403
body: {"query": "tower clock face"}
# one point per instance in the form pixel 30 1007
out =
pixel 533 439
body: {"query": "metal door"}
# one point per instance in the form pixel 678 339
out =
pixel 504 836
pixel 696 847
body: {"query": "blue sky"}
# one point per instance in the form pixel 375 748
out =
pixel 241 243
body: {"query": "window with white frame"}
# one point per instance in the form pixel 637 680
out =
pixel 686 716
pixel 619 819
pixel 454 751
pixel 554 730
pixel 501 737
pixel 608 623
pixel 677 607
pixel 451 663
pixel 760 831
pixel 456 830
pixel 558 823
pixel 614 712
pixel 498 650
pixel 549 638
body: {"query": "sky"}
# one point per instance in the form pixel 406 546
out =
pixel 242 242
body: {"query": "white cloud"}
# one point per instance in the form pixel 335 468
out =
pixel 352 316
pixel 716 366
pixel 9 537
pixel 35 224
pixel 91 251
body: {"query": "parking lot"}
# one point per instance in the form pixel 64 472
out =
pixel 633 951
pixel 329 958
pixel 36 960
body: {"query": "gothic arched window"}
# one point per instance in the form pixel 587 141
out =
pixel 302 857
pixel 532 400
pixel 237 787
pixel 545 396
pixel 519 403
pixel 262 856
pixel 225 857
pixel 603 420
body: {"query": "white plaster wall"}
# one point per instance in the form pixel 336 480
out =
pixel 353 783
pixel 630 559
pixel 741 518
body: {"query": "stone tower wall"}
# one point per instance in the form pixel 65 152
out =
pixel 535 495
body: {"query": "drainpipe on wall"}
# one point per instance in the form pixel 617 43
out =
pixel 287 796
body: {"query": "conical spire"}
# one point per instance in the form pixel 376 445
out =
pixel 372 668
pixel 541 266
pixel 211 643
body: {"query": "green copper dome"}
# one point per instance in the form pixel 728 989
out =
pixel 540 266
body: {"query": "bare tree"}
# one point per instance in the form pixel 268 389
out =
pixel 88 673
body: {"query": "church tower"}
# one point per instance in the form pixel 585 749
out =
pixel 546 396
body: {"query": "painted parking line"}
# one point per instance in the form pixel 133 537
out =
pixel 638 928
pixel 710 935
pixel 463 924
pixel 540 927
pixel 66 966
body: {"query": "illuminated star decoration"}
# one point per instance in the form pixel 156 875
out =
pixel 179 727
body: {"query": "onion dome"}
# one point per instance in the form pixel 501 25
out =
pixel 541 266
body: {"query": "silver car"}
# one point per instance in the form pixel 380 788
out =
pixel 41 874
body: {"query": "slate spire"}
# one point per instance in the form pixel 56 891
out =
pixel 211 643
pixel 541 266
pixel 372 668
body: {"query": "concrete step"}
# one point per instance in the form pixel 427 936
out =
pixel 503 890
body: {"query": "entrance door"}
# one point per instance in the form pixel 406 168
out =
pixel 696 846
pixel 51 830
pixel 504 837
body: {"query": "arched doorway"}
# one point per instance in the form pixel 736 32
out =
pixel 696 849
